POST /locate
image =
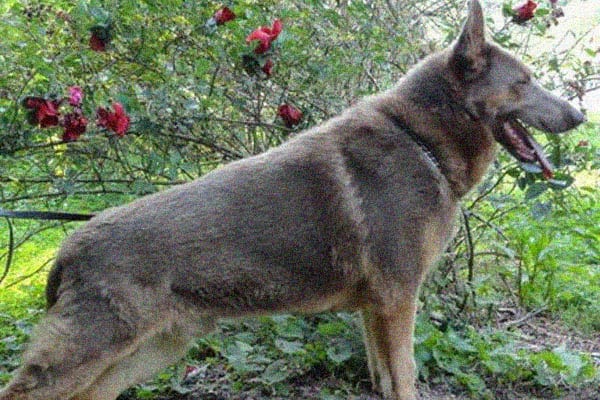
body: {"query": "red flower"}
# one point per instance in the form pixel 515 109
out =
pixel 43 112
pixel 116 121
pixel 101 36
pixel 75 96
pixel 97 44
pixel 265 35
pixel 33 104
pixel 223 15
pixel 191 371
pixel 290 115
pixel 268 67
pixel 524 12
pixel 47 114
pixel 75 125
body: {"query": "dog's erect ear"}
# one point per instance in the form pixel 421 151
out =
pixel 469 52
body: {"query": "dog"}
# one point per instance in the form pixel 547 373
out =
pixel 348 215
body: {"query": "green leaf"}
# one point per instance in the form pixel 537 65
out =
pixel 460 343
pixel 289 326
pixel 334 328
pixel 340 351
pixel 237 355
pixel 290 347
pixel 475 385
pixel 276 372
pixel 534 190
pixel 561 181
pixel 541 209
pixel 507 10
pixel 142 187
pixel 531 168
pixel 590 52
pixel 507 251
pixel 572 362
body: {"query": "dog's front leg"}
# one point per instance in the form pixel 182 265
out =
pixel 389 344
pixel 374 359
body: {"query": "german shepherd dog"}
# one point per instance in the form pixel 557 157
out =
pixel 348 215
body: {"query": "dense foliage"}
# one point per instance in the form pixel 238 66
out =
pixel 171 89
pixel 197 92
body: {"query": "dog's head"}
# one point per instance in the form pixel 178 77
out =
pixel 500 91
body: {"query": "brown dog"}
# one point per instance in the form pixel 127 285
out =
pixel 348 215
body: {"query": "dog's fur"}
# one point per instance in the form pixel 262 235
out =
pixel 348 215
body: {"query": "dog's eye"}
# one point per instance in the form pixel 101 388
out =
pixel 524 81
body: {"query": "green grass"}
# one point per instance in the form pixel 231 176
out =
pixel 22 299
pixel 35 253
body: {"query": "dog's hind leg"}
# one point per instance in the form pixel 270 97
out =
pixel 388 338
pixel 80 337
pixel 152 355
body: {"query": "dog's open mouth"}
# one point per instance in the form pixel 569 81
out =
pixel 514 137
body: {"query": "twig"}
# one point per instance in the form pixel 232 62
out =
pixel 29 275
pixel 227 154
pixel 587 90
pixel 486 222
pixel 372 78
pixel 63 193
pixel 470 260
pixel 11 250
pixel 29 235
pixel 509 289
pixel 251 123
pixel 489 190
pixel 530 315
pixel 6 179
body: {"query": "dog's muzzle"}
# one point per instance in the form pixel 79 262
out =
pixel 513 136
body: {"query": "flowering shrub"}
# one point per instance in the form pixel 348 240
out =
pixel 206 84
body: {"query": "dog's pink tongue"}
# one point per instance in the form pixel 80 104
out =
pixel 547 167
pixel 527 148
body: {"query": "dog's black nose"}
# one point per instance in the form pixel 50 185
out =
pixel 577 117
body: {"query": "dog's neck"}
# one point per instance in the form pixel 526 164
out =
pixel 464 149
pixel 460 147
pixel 434 113
pixel 425 148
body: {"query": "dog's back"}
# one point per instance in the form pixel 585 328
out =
pixel 253 236
pixel 285 230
